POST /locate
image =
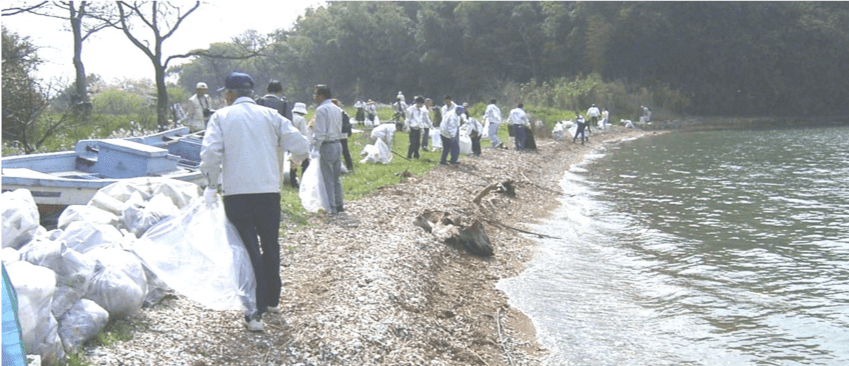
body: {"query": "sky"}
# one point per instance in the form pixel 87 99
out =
pixel 110 54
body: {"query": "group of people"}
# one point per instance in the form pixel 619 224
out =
pixel 240 158
pixel 584 127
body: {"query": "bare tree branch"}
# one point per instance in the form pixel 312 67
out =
pixel 17 10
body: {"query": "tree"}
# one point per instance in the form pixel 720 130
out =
pixel 24 99
pixel 162 21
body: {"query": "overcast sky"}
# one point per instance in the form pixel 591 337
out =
pixel 110 54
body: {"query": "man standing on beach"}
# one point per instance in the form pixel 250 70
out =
pixel 493 115
pixel 518 119
pixel 241 146
pixel 593 113
pixel 326 138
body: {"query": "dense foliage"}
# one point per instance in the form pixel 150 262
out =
pixel 726 58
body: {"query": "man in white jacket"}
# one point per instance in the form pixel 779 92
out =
pixel 200 110
pixel 493 116
pixel 415 122
pixel 449 130
pixel 519 120
pixel 241 145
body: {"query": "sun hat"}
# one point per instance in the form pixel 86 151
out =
pixel 300 108
pixel 201 85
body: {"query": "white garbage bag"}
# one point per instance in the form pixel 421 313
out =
pixel 312 191
pixel 83 236
pixel 82 322
pixel 10 255
pixel 465 144
pixel 559 132
pixel 181 193
pixel 20 218
pixel 200 255
pixel 35 287
pixel 435 139
pixel 119 284
pixel 139 215
pixel 86 213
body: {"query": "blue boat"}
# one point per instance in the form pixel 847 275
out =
pixel 73 177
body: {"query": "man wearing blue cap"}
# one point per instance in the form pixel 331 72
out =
pixel 243 144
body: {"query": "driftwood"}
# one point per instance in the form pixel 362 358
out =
pixel 505 187
pixel 473 238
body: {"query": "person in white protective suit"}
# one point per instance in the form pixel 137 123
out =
pixel 492 115
pixel 385 132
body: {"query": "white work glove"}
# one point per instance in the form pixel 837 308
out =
pixel 210 195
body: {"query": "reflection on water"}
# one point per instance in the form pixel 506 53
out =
pixel 698 249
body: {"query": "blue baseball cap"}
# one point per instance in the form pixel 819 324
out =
pixel 460 109
pixel 238 80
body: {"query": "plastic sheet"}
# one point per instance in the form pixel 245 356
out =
pixel 312 190
pixel 200 255
pixel 91 214
pixel 435 139
pixel 83 236
pixel 81 323
pixel 20 218
pixel 35 287
pixel 181 193
pixel 119 284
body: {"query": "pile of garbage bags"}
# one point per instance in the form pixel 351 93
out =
pixel 135 241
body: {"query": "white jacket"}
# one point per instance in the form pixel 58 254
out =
pixel 450 125
pixel 244 141
pixel 593 112
pixel 415 116
pixel 519 117
pixel 492 114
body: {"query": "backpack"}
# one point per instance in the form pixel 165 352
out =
pixel 280 104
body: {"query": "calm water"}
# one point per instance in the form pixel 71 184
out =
pixel 710 248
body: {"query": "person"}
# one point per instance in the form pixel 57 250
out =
pixel 646 117
pixel 241 146
pixel 371 111
pixel 200 110
pixel 415 123
pixel 604 118
pixel 361 113
pixel 326 138
pixel 582 124
pixel 493 116
pixel 427 123
pixel 593 113
pixel 449 130
pixel 298 120
pixel 385 132
pixel 275 99
pixel 346 132
pixel 400 108
pixel 449 107
pixel 475 130
pixel 519 119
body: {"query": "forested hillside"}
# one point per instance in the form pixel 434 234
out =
pixel 741 58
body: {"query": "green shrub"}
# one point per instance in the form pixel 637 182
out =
pixel 118 102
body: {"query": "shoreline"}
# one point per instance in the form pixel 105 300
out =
pixel 369 287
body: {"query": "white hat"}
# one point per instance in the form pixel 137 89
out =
pixel 300 108
pixel 201 85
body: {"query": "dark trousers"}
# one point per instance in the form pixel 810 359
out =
pixel 252 215
pixel 519 132
pixel 425 138
pixel 349 164
pixel 452 146
pixel 476 145
pixel 593 122
pixel 293 172
pixel 580 131
pixel 415 137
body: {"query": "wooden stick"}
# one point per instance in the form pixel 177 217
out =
pixel 500 340
pixel 484 192
pixel 520 230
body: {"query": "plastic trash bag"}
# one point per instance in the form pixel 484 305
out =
pixel 435 139
pixel 312 190
pixel 20 218
pixel 485 131
pixel 465 145
pixel 74 274
pixel 181 193
pixel 559 132
pixel 119 284
pixel 10 255
pixel 139 216
pixel 200 255
pixel 83 236
pixel 81 323
pixel 86 213
pixel 35 287
pixel 378 152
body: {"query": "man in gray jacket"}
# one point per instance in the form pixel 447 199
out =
pixel 326 139
pixel 241 145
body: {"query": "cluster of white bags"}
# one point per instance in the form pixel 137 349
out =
pixel 133 241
